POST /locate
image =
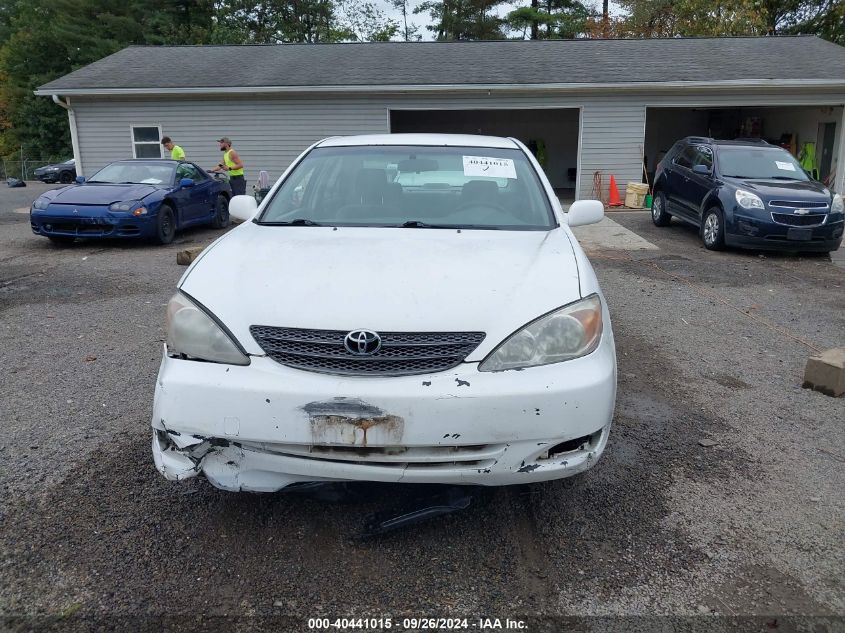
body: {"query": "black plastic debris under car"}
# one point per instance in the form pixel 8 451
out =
pixel 426 502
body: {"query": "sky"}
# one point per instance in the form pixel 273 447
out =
pixel 422 19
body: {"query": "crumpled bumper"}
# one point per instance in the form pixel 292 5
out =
pixel 265 426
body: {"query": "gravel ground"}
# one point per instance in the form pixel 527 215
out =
pixel 711 351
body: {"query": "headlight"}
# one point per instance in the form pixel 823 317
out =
pixel 41 203
pixel 837 206
pixel 748 200
pixel 124 206
pixel 566 333
pixel 193 333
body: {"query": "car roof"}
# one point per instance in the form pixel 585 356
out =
pixel 741 142
pixel 434 140
pixel 166 161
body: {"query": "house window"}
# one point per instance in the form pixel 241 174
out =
pixel 146 141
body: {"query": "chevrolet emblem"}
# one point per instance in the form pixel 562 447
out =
pixel 801 211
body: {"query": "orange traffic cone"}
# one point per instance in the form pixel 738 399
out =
pixel 615 200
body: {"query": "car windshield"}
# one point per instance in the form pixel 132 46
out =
pixel 768 163
pixel 413 187
pixel 141 173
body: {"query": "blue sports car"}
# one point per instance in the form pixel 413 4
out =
pixel 133 198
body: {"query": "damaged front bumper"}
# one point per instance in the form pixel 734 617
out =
pixel 264 426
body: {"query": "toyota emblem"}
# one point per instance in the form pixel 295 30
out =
pixel 362 342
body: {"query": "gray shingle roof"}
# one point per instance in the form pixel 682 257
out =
pixel 485 63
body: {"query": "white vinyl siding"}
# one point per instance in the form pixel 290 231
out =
pixel 269 131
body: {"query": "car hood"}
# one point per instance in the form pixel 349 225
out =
pixel 384 279
pixel 101 194
pixel 796 190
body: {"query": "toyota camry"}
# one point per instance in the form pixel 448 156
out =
pixel 400 308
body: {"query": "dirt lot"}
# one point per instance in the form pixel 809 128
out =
pixel 711 351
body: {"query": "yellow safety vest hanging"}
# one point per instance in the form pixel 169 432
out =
pixel 230 163
pixel 807 158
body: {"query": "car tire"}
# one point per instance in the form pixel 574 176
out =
pixel 221 213
pixel 713 229
pixel 66 177
pixel 61 241
pixel 165 225
pixel 658 210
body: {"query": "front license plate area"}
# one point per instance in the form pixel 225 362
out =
pixel 800 235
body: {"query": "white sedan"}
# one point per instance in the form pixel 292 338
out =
pixel 400 308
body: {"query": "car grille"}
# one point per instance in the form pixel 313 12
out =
pixel 401 353
pixel 812 219
pixel 792 204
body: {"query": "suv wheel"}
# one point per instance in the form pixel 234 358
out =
pixel 713 229
pixel 66 177
pixel 658 210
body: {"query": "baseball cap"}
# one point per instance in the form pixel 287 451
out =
pixel 225 139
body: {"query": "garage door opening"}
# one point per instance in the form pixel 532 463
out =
pixel 790 127
pixel 551 133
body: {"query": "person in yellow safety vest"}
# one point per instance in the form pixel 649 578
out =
pixel 232 163
pixel 807 158
pixel 176 152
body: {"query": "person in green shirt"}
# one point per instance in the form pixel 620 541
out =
pixel 176 152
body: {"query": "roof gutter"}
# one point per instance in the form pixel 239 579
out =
pixel 733 84
pixel 74 137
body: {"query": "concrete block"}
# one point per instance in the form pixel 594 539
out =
pixel 826 372
pixel 183 258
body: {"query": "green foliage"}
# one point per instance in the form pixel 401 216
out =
pixel 552 19
pixel 365 22
pixel 671 18
pixel 463 19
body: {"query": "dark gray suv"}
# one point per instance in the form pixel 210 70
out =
pixel 746 193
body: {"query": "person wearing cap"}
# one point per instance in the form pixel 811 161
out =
pixel 232 163
pixel 176 152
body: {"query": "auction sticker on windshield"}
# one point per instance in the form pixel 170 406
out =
pixel 490 167
pixel 785 166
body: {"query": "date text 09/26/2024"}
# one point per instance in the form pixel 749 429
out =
pixel 417 624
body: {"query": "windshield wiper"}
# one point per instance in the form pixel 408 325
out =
pixel 416 224
pixel 294 222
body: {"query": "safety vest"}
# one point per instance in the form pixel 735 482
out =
pixel 177 153
pixel 807 158
pixel 230 163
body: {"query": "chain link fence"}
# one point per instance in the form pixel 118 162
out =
pixel 23 169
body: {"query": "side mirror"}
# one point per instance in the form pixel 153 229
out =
pixel 700 169
pixel 80 180
pixel 585 212
pixel 242 207
pixel 186 182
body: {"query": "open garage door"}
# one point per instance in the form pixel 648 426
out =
pixel 551 133
pixel 791 127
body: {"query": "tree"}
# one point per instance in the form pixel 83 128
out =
pixel 687 18
pixel 463 19
pixel 550 19
pixel 825 18
pixel 276 22
pixel 365 22
pixel 409 32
